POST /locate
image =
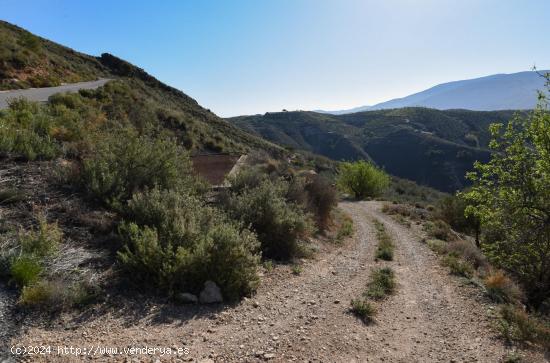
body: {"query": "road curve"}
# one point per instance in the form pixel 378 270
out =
pixel 42 94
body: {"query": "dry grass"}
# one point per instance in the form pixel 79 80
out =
pixel 501 288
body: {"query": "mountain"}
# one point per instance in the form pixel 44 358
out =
pixel 431 147
pixel 132 97
pixel 516 91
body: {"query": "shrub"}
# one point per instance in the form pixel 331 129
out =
pixel 279 224
pixel 517 326
pixel 382 283
pixel 25 270
pixel 362 179
pixel 458 266
pixel 363 310
pixel 322 199
pixel 47 294
pixel 452 210
pixel 9 196
pixel 501 288
pixel 468 252
pixel 43 242
pixel 175 243
pixel 439 230
pixel 437 245
pixel 24 130
pixel 123 164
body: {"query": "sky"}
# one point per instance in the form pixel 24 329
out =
pixel 240 57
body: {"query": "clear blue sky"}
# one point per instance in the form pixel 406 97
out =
pixel 244 57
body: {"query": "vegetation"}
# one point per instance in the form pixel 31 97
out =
pixel 363 309
pixel 501 288
pixel 381 284
pixel 385 248
pixel 362 179
pixel 512 197
pixel 517 326
pixel 261 204
pixel 452 210
pixel 428 146
pixel 173 242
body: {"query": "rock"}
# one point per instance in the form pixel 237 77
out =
pixel 269 356
pixel 211 293
pixel 256 304
pixel 186 298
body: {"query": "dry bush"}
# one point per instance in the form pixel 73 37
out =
pixel 501 288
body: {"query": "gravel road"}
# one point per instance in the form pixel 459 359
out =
pixel 432 317
pixel 42 94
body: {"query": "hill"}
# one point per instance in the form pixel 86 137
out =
pixel 515 91
pixel 134 96
pixel 432 147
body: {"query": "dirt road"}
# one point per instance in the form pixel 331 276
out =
pixel 431 317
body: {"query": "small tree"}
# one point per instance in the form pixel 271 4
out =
pixel 362 179
pixel 511 194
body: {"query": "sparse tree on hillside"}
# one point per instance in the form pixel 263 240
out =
pixel 512 197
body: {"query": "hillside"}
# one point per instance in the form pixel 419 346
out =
pixel 431 147
pixel 515 91
pixel 134 96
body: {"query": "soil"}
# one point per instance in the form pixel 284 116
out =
pixel 432 316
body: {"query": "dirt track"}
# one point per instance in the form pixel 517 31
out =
pixel 432 317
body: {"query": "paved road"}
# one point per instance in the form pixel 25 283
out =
pixel 42 94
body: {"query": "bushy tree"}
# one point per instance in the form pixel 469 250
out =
pixel 511 194
pixel 362 179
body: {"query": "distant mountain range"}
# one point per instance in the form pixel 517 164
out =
pixel 515 91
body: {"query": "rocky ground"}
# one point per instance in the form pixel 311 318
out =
pixel 432 317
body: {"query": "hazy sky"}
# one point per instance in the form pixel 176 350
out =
pixel 244 57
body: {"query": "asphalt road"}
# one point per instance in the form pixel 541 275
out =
pixel 42 94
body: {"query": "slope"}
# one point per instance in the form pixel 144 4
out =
pixel 431 147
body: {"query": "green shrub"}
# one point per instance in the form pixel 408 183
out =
pixel 124 163
pixel 24 130
pixel 362 179
pixel 25 270
pixel 43 242
pixel 458 266
pixel 363 310
pixel 279 224
pixel 381 284
pixel 175 243
pixel 9 196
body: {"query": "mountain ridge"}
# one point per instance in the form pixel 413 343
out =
pixel 501 91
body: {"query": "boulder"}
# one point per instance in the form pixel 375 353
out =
pixel 211 293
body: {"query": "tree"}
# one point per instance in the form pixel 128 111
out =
pixel 511 194
pixel 362 179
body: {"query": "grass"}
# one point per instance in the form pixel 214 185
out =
pixel 296 269
pixel 345 230
pixel 501 289
pixel 458 266
pixel 25 270
pixel 381 284
pixel 363 309
pixel 10 195
pixel 385 247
